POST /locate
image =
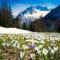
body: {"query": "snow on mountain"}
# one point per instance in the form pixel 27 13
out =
pixel 33 9
pixel 32 13
pixel 37 14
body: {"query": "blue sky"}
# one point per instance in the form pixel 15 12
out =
pixel 20 5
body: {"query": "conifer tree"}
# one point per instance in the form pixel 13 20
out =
pixel 6 15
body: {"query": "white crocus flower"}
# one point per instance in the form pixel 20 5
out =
pixel 49 47
pixel 39 51
pixel 44 51
pixel 14 44
pixel 18 45
pixel 37 48
pixel 40 46
pixel 4 44
pixel 55 48
pixel 53 41
pixel 52 51
pixel 12 41
pixel 27 37
pixel 7 44
pixel 42 41
pixel 22 54
pixel 25 47
pixel 32 56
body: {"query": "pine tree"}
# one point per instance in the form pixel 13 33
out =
pixel 6 15
pixel 17 22
pixel 31 28
pixel 24 26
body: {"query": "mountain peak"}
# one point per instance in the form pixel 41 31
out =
pixel 42 8
pixel 30 9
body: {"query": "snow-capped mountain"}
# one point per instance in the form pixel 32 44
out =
pixel 31 9
pixel 32 13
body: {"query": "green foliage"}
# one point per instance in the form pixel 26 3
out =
pixel 1 41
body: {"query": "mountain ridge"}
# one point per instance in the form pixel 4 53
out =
pixel 31 8
pixel 32 13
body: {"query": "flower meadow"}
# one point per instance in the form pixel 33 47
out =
pixel 34 46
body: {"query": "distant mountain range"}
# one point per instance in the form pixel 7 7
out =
pixel 32 13
pixel 32 8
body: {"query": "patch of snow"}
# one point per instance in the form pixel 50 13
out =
pixel 12 31
pixel 36 15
